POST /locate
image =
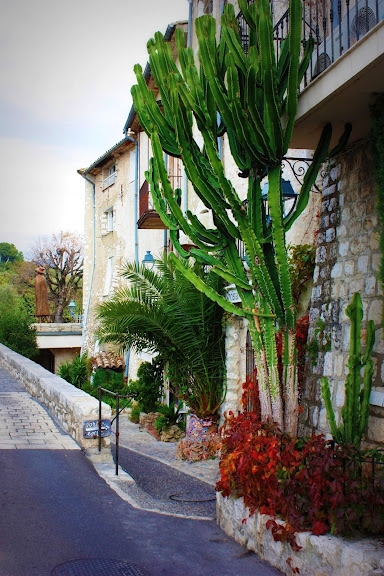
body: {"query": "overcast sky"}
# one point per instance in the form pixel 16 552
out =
pixel 66 69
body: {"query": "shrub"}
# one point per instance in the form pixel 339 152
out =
pixel 170 415
pixel 148 388
pixel 135 414
pixel 16 331
pixel 76 372
pixel 109 379
pixel 312 484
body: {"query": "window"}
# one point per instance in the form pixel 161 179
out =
pixel 110 176
pixel 108 276
pixel 175 170
pixel 110 215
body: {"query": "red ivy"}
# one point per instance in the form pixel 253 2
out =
pixel 311 484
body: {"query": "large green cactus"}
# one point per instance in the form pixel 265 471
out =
pixel 252 100
pixel 355 411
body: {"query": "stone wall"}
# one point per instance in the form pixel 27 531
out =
pixel 70 405
pixel 347 261
pixel 319 555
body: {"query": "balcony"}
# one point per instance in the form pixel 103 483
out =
pixel 111 179
pixel 346 68
pixel 149 219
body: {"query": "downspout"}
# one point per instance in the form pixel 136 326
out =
pixel 220 139
pixel 136 232
pixel 190 14
pixel 86 311
pixel 136 196
pixel 189 44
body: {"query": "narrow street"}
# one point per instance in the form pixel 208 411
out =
pixel 57 510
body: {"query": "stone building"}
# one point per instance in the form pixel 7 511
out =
pixel 120 224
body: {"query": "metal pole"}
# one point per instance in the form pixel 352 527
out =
pixel 99 391
pixel 117 433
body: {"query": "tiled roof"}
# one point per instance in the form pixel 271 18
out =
pixel 108 360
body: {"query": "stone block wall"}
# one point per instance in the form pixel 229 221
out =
pixel 347 261
pixel 68 404
pixel 319 555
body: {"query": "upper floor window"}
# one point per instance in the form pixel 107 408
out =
pixel 110 176
pixel 110 220
pixel 175 172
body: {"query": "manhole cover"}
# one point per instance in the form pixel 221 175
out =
pixel 192 498
pixel 98 567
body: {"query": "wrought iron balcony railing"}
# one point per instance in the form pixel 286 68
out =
pixel 335 25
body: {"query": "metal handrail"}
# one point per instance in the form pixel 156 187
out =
pixel 118 396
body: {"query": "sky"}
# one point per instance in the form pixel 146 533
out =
pixel 66 69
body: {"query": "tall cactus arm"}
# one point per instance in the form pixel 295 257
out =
pixel 150 114
pixel 272 108
pixel 163 67
pixel 193 91
pixel 367 383
pixel 152 177
pixel 354 311
pixel 294 39
pixel 248 15
pixel 226 186
pixel 230 35
pixel 200 173
pixel 239 155
pixel 203 287
pixel 276 213
pixel 326 394
pixel 259 271
pixel 210 236
pixel 249 128
pixel 255 208
pixel 206 34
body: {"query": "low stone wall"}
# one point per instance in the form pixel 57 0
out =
pixel 319 555
pixel 71 406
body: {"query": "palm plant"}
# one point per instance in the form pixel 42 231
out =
pixel 162 312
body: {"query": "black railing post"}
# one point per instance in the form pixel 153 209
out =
pixel 117 432
pixel 99 422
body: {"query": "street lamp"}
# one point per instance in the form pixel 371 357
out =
pixel 148 260
pixel 289 197
pixel 72 308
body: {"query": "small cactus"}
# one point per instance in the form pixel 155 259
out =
pixel 355 411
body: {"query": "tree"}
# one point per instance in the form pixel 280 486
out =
pixel 251 98
pixel 16 331
pixel 162 312
pixel 9 253
pixel 62 257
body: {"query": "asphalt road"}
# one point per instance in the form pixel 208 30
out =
pixel 55 508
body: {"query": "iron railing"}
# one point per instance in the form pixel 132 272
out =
pixel 334 26
pixel 116 418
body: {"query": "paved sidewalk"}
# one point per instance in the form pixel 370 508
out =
pixel 25 423
pixel 139 440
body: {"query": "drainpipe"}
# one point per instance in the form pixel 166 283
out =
pixel 189 33
pixel 136 196
pixel 86 310
pixel 189 44
pixel 135 217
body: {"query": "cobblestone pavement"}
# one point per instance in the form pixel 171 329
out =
pixel 25 423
